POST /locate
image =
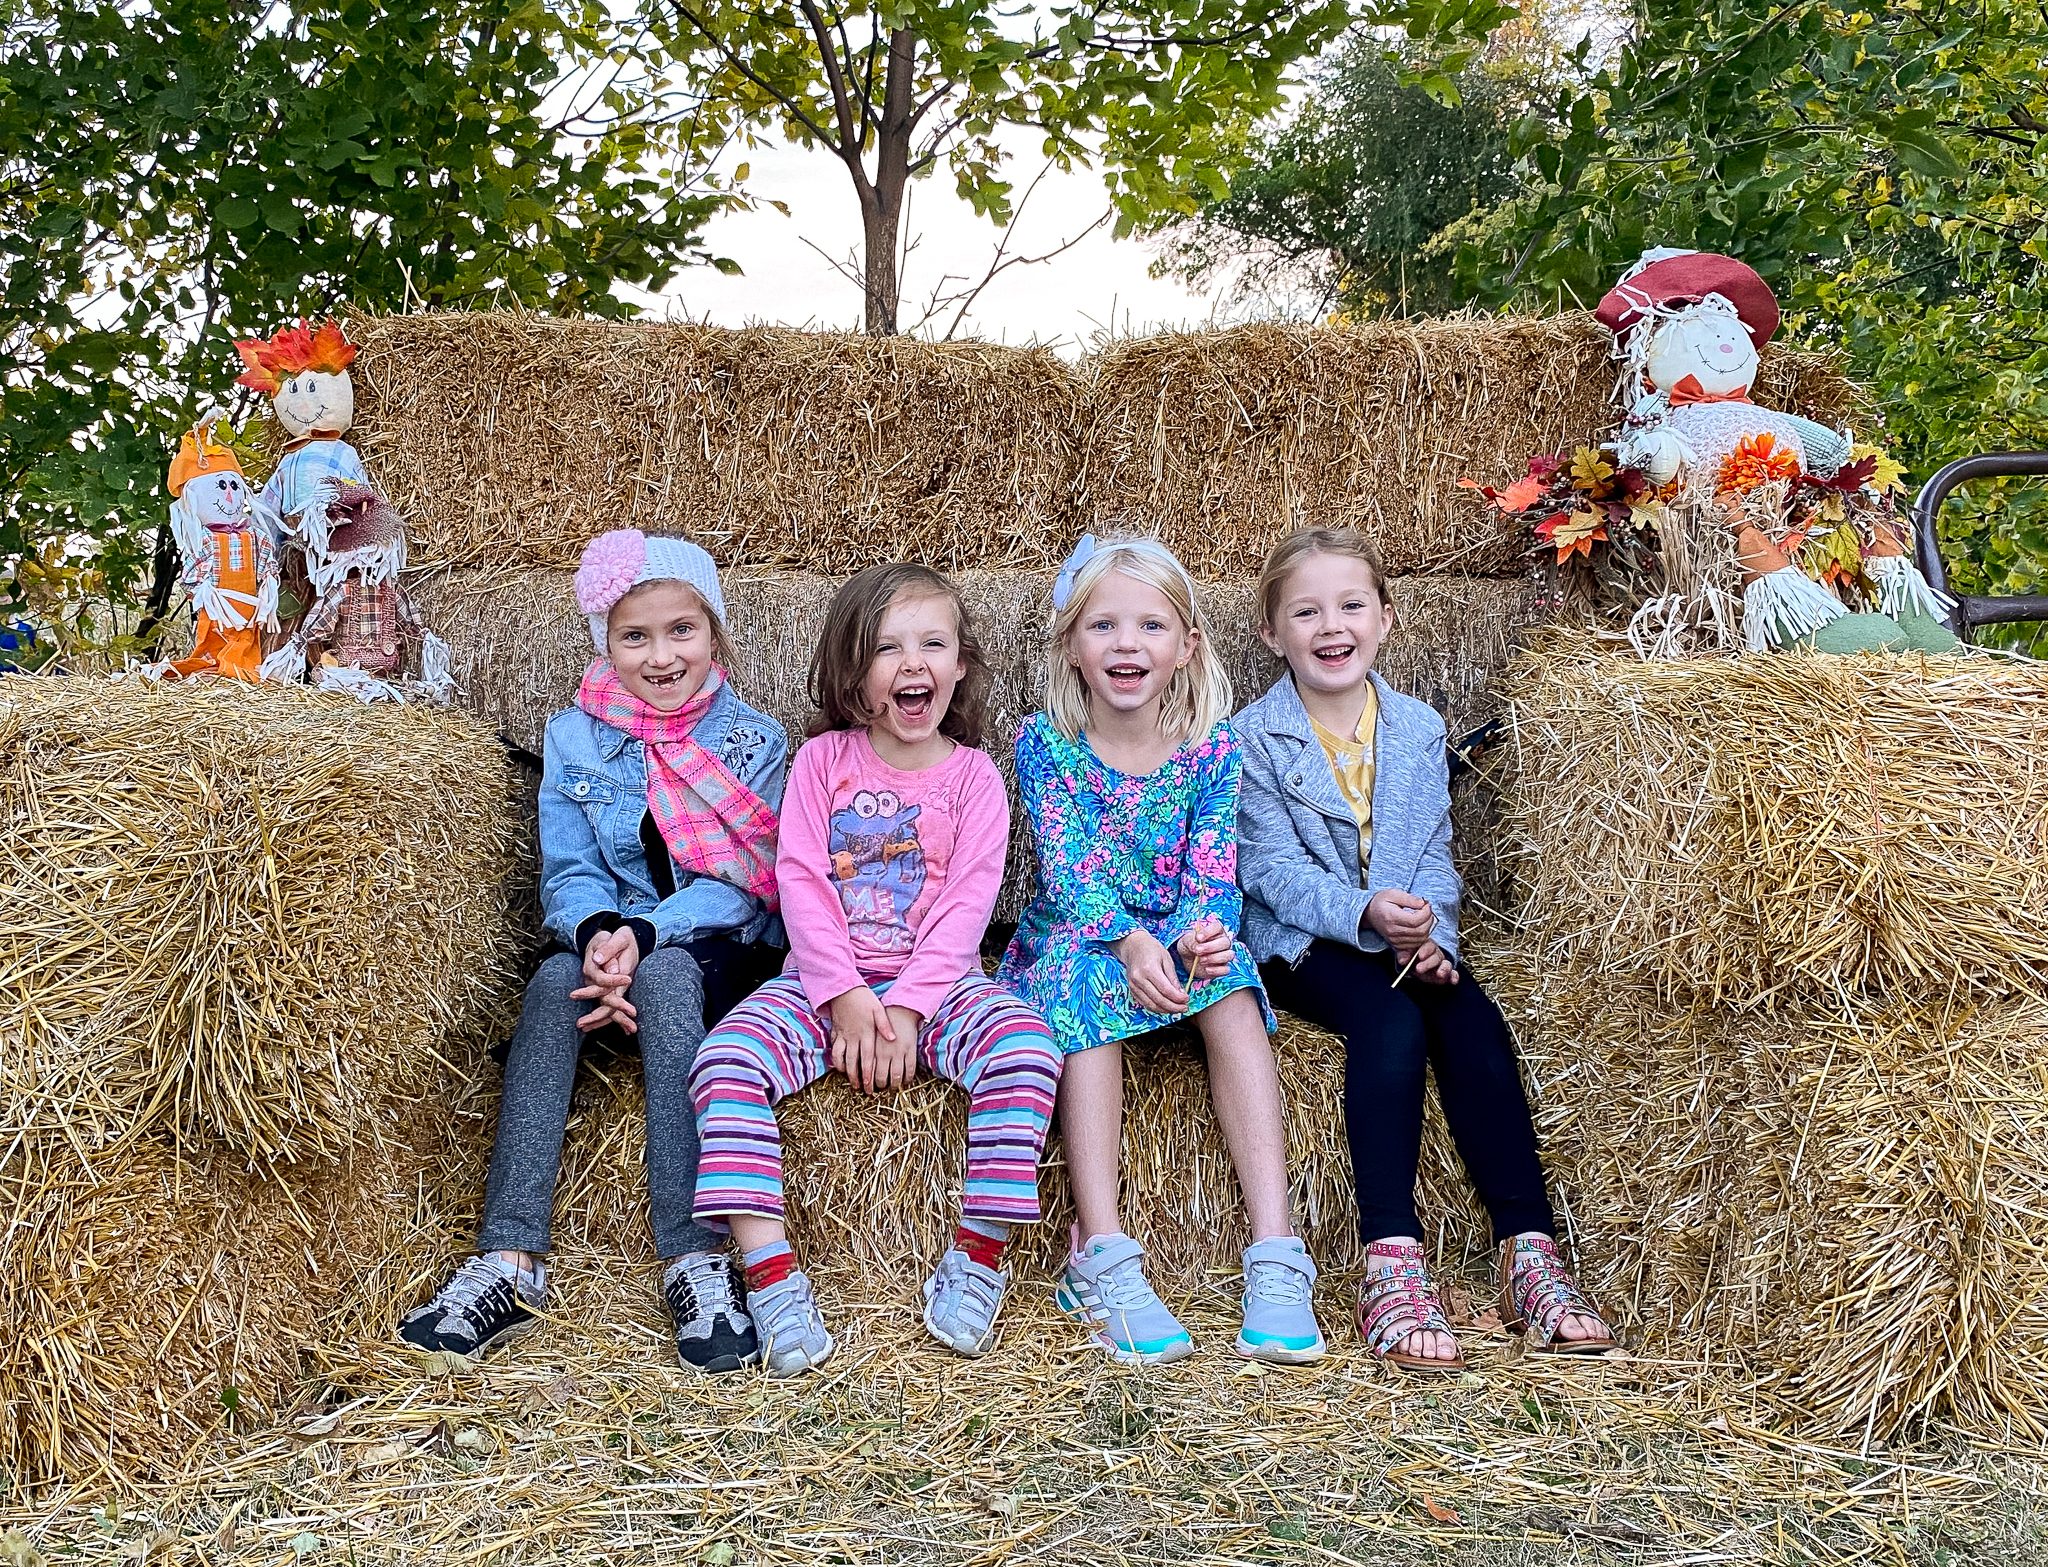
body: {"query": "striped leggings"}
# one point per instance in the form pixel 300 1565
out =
pixel 775 1042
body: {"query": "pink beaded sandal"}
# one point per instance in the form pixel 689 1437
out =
pixel 1398 1302
pixel 1537 1293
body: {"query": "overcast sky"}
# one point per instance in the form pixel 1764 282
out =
pixel 1099 282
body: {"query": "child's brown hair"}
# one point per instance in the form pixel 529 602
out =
pixel 846 647
pixel 1291 551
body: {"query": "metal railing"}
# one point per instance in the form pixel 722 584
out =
pixel 1970 611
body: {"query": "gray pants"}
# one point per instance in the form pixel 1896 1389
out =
pixel 540 1073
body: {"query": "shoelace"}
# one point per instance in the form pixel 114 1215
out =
pixel 462 1296
pixel 1278 1283
pixel 708 1283
pixel 1124 1286
pixel 960 1286
pixel 786 1309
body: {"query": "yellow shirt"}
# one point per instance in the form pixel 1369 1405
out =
pixel 1355 762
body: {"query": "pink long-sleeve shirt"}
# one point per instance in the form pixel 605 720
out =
pixel 888 875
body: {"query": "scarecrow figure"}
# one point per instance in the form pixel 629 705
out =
pixel 230 564
pixel 362 625
pixel 1801 513
pixel 304 373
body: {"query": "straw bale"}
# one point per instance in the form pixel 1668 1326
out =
pixel 1222 441
pixel 1846 1207
pixel 1758 831
pixel 874 1184
pixel 512 437
pixel 244 915
pixel 157 1300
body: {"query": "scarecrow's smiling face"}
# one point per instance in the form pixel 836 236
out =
pixel 1708 343
pixel 310 400
pixel 219 500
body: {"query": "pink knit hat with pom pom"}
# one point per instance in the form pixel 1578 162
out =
pixel 615 563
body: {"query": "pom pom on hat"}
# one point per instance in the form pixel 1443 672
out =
pixel 615 563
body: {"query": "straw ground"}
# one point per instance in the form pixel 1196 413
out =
pixel 586 1447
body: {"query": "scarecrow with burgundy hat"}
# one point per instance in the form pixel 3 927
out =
pixel 362 627
pixel 230 567
pixel 1799 512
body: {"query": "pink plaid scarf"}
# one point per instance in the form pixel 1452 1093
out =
pixel 712 823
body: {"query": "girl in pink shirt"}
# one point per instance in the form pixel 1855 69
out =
pixel 894 829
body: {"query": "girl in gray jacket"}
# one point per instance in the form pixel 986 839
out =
pixel 1351 908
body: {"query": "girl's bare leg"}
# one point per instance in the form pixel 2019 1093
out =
pixel 1245 1086
pixel 1091 1108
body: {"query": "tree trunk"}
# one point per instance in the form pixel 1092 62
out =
pixel 881 200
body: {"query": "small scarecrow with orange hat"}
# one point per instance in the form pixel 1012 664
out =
pixel 1803 514
pixel 362 626
pixel 230 563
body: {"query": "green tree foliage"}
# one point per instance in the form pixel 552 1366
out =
pixel 178 173
pixel 1350 199
pixel 1886 170
pixel 1164 93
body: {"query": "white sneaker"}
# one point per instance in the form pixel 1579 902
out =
pixel 793 1336
pixel 961 1300
pixel 1279 1304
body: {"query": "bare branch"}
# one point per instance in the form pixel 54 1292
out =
pixel 732 58
pixel 846 269
pixel 999 263
pixel 835 78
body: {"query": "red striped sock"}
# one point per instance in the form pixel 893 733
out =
pixel 769 1264
pixel 984 1249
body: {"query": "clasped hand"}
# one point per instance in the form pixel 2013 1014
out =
pixel 873 1046
pixel 1155 984
pixel 608 965
pixel 1406 921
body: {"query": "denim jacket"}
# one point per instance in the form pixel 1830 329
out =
pixel 1297 841
pixel 594 873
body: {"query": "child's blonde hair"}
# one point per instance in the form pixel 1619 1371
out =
pixel 1298 546
pixel 1196 699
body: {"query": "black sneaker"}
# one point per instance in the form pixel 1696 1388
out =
pixel 707 1299
pixel 481 1308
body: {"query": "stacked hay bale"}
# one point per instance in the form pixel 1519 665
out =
pixel 796 458
pixel 1784 941
pixel 246 931
pixel 510 439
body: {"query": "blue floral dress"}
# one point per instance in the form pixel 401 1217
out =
pixel 1119 852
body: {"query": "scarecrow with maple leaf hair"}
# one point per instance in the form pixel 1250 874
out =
pixel 304 372
pixel 1736 524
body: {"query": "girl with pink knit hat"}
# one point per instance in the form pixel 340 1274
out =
pixel 658 804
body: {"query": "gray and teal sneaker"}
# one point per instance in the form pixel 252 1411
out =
pixel 792 1333
pixel 961 1301
pixel 1105 1290
pixel 1279 1304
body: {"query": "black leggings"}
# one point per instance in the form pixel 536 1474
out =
pixel 1389 1036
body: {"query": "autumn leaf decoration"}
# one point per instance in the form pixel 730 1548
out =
pixel 1570 503
pixel 266 366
